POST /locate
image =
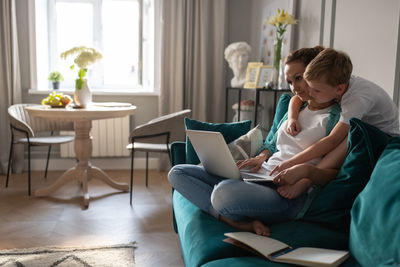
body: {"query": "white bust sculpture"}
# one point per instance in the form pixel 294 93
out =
pixel 238 54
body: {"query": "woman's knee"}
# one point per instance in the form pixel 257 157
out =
pixel 175 174
pixel 223 195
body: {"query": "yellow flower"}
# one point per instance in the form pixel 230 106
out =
pixel 290 20
pixel 281 19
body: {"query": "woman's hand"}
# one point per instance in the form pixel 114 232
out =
pixel 255 162
pixel 293 127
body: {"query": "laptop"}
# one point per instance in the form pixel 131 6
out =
pixel 216 158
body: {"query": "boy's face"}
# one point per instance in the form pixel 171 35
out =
pixel 322 92
pixel 294 76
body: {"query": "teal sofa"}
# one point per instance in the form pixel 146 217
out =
pixel 357 211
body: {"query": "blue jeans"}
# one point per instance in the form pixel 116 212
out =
pixel 232 198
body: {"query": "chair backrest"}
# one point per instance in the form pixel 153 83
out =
pixel 172 123
pixel 20 119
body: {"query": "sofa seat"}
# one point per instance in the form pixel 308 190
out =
pixel 201 237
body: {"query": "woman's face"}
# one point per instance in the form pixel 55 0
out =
pixel 294 76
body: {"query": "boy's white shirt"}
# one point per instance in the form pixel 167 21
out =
pixel 313 128
pixel 368 102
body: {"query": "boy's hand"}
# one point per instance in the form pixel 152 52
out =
pixel 282 166
pixel 293 127
pixel 292 175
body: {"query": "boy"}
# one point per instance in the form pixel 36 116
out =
pixel 329 77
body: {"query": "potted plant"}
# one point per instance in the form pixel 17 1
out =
pixel 55 77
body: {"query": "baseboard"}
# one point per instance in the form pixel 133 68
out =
pixel 63 164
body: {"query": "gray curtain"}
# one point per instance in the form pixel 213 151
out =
pixel 192 75
pixel 10 82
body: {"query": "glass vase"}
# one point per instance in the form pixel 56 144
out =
pixel 83 96
pixel 277 61
pixel 277 53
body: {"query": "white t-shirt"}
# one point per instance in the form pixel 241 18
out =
pixel 313 128
pixel 368 102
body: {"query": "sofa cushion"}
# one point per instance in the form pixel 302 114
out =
pixel 247 145
pixel 375 216
pixel 230 131
pixel 333 203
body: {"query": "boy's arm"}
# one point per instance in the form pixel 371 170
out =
pixel 293 125
pixel 318 149
pixel 323 173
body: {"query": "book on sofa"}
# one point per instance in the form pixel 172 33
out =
pixel 278 251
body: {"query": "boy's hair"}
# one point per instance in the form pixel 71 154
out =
pixel 304 55
pixel 333 66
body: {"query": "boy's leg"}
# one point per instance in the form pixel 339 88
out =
pixel 195 184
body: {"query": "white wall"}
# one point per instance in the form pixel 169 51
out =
pixel 368 31
pixel 307 32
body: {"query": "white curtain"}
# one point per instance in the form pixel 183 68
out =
pixel 192 67
pixel 10 82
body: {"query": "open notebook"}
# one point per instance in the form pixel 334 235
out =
pixel 278 251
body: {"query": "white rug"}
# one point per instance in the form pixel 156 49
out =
pixel 107 256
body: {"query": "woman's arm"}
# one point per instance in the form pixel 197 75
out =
pixel 293 125
pixel 320 148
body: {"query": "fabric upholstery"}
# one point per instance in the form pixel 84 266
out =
pixel 201 235
pixel 172 123
pixel 375 216
pixel 230 131
pixel 247 145
pixel 333 203
pixel 21 119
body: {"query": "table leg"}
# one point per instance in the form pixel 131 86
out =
pixel 97 173
pixel 83 171
pixel 64 178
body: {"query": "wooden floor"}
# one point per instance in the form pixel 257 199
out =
pixel 61 220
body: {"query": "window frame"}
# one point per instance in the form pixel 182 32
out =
pixel 102 90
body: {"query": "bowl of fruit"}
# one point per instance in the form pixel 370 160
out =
pixel 57 100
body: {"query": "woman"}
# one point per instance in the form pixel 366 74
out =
pixel 248 205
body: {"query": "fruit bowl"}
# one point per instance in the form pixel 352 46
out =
pixel 57 100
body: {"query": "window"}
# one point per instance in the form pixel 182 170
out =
pixel 123 30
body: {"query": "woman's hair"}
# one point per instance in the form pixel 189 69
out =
pixel 304 55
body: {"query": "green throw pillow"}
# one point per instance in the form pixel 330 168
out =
pixel 230 131
pixel 332 204
pixel 375 216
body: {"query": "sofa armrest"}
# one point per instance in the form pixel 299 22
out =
pixel 178 153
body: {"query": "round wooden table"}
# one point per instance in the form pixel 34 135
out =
pixel 82 118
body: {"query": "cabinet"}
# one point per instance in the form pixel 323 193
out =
pixel 256 92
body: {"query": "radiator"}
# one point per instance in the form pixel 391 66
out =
pixel 110 138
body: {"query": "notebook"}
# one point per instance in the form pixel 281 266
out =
pixel 216 158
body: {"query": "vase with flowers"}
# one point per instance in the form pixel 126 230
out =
pixel 85 56
pixel 280 21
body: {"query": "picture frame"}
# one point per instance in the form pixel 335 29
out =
pixel 265 75
pixel 252 74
